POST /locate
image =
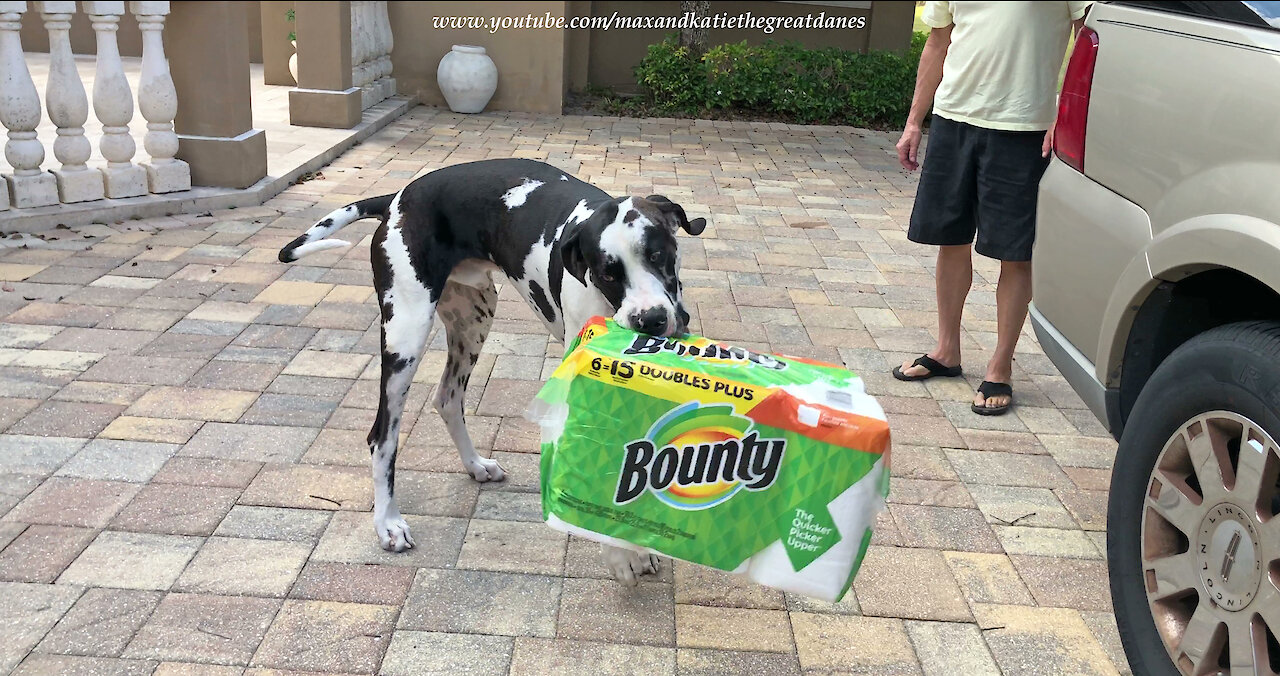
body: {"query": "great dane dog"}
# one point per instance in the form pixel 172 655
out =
pixel 440 240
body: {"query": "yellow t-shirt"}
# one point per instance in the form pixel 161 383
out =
pixel 1001 70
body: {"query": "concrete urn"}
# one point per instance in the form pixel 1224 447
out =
pixel 467 78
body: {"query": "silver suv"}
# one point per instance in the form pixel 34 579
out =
pixel 1157 294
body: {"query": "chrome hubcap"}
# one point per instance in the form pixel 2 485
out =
pixel 1211 546
pixel 1229 562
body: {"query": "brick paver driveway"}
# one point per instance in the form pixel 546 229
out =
pixel 185 474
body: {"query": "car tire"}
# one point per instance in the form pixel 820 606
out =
pixel 1233 368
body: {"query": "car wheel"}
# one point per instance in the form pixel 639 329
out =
pixel 1192 543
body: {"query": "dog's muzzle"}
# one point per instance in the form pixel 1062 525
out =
pixel 653 321
pixel 659 320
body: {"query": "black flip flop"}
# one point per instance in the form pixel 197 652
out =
pixel 935 370
pixel 989 389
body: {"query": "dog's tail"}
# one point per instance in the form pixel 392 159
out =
pixel 313 239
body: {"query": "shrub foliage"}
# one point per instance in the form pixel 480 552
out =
pixel 781 81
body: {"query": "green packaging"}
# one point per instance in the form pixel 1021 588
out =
pixel 769 466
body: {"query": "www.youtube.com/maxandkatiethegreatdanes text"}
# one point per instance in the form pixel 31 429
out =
pixel 616 21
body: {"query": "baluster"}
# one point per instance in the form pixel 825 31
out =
pixel 20 114
pixel 388 44
pixel 158 102
pixel 360 33
pixel 113 104
pixel 377 49
pixel 367 77
pixel 68 108
pixel 357 44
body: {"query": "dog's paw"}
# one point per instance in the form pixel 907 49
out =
pixel 627 565
pixel 393 534
pixel 486 469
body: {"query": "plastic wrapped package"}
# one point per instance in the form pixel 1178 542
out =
pixel 772 467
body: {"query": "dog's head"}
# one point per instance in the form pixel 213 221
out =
pixel 627 251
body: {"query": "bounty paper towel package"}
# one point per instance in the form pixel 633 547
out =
pixel 769 466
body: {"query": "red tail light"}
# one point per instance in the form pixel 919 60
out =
pixel 1073 104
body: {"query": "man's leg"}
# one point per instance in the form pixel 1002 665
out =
pixel 1009 172
pixel 953 279
pixel 1013 295
pixel 944 216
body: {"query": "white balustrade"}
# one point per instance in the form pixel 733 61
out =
pixel 371 44
pixel 388 83
pixel 68 108
pixel 113 104
pixel 362 51
pixel 29 186
pixel 67 103
pixel 357 45
pixel 158 102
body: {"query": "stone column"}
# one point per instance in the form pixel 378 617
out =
pixel 68 107
pixel 325 96
pixel 113 104
pixel 20 114
pixel 158 101
pixel 208 44
pixel 386 82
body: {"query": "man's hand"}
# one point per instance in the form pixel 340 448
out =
pixel 1047 146
pixel 909 147
pixel 928 77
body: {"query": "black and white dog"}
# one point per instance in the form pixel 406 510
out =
pixel 440 239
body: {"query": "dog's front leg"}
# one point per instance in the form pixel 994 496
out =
pixel 627 565
pixel 624 564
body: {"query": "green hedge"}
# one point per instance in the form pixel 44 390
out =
pixel 781 81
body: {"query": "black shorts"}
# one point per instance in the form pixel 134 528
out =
pixel 982 181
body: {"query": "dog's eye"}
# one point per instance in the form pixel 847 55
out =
pixel 606 277
pixel 655 257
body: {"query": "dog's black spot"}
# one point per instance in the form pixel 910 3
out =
pixel 607 213
pixel 555 276
pixel 383 421
pixel 540 299
pixel 474 358
pixel 395 362
pixel 382 275
pixel 391 475
pixel 631 216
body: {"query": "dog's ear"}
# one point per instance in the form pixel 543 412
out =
pixel 676 217
pixel 571 253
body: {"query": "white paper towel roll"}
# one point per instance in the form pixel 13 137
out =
pixel 853 511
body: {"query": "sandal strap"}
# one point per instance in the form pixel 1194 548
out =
pixel 989 389
pixel 933 365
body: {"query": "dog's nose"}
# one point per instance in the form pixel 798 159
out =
pixel 652 321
